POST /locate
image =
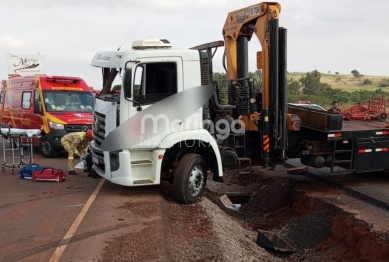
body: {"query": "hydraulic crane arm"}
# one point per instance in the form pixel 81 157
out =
pixel 262 20
pixel 240 25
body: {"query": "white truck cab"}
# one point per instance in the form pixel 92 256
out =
pixel 151 72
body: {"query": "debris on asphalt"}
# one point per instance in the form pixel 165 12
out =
pixel 227 203
pixel 297 170
pixel 271 240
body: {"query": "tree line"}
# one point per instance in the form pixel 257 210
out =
pixel 310 88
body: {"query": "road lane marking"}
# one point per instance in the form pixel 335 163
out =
pixel 61 248
pixel 78 205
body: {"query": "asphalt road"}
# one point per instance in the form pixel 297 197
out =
pixel 38 217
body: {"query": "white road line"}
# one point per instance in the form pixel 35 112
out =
pixel 78 205
pixel 59 251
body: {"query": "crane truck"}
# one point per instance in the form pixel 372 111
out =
pixel 273 131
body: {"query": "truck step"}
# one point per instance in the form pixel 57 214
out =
pixel 141 162
pixel 342 161
pixel 143 181
pixel 343 151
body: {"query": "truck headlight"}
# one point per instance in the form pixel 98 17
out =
pixel 54 125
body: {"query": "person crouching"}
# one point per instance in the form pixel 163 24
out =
pixel 76 144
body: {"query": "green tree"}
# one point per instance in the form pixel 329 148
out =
pixel 311 83
pixel 325 90
pixel 294 87
pixel 355 73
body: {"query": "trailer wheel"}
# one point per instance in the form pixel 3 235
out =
pixel 189 179
pixel 45 148
pixel 382 116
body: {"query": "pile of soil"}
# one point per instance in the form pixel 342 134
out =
pixel 318 230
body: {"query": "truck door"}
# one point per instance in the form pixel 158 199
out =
pixel 153 81
pixel 372 155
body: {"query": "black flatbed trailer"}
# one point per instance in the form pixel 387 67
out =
pixel 356 145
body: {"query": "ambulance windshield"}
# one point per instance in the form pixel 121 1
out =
pixel 68 101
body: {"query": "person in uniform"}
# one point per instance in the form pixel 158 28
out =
pixel 76 144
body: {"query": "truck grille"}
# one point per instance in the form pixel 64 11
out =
pixel 98 128
pixel 76 128
pixel 100 156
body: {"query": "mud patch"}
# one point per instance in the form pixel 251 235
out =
pixel 44 194
pixel 136 247
pixel 142 209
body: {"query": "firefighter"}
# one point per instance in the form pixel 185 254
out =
pixel 76 144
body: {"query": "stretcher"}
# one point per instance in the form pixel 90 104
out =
pixel 19 139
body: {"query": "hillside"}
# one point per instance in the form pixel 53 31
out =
pixel 347 82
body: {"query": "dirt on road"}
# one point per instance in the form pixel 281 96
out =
pixel 320 222
pixel 208 231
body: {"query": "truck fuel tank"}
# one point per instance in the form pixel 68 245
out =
pixel 313 161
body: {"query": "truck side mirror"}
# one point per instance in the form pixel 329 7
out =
pixel 127 83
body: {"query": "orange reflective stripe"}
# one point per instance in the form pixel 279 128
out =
pixel 266 143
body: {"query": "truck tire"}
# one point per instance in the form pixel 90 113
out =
pixel 46 149
pixel 189 179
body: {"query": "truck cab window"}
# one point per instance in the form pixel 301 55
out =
pixel 154 82
pixel 138 81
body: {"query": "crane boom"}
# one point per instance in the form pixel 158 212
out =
pixel 262 20
pixel 239 27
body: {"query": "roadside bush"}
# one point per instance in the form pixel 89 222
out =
pixel 367 81
pixel 384 83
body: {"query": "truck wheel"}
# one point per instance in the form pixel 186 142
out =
pixel 46 149
pixel 189 179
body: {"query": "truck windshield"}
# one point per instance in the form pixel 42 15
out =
pixel 68 101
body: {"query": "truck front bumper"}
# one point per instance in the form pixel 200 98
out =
pixel 122 168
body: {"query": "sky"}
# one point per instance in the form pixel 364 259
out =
pixel 331 35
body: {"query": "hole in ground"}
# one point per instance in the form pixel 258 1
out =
pixel 318 230
pixel 239 199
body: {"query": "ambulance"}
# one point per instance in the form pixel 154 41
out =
pixel 56 105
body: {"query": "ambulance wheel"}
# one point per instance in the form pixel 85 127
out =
pixel 190 178
pixel 46 149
